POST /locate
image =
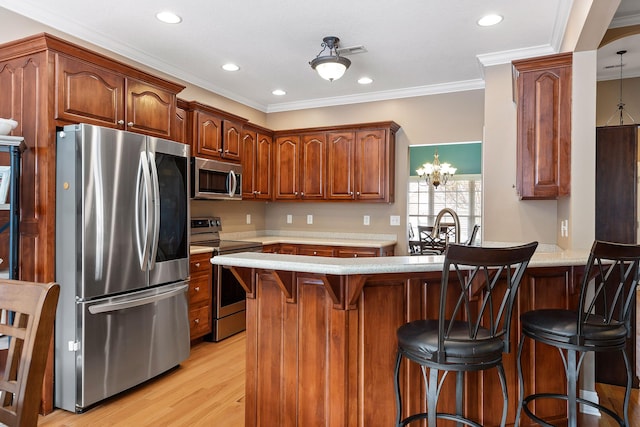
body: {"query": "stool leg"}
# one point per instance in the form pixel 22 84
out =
pixel 572 381
pixel 505 396
pixel 459 395
pixel 627 392
pixel 397 387
pixel 520 381
pixel 432 397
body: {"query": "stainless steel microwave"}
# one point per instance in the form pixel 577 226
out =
pixel 215 180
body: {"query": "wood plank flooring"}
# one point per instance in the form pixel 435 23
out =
pixel 208 390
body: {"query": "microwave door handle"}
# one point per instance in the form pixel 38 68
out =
pixel 143 185
pixel 155 227
pixel 234 182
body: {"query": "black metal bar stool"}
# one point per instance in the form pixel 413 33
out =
pixel 601 323
pixel 478 290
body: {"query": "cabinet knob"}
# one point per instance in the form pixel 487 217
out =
pixel 315 253
pixel 197 289
pixel 196 321
pixel 357 193
pixel 130 124
pixel 120 122
pixel 302 194
pixel 219 150
pixel 351 193
pixel 355 255
pixel 295 193
pixel 226 151
pixel 258 192
pixel 197 264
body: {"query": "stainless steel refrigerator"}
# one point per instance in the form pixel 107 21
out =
pixel 122 261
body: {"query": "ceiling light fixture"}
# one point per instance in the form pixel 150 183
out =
pixel 230 67
pixel 279 92
pixel 331 66
pixel 436 173
pixel 365 80
pixel 168 17
pixel 620 111
pixel 489 20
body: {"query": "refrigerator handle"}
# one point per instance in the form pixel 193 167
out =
pixel 142 223
pixel 136 302
pixel 234 182
pixel 155 237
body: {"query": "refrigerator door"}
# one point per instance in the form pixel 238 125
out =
pixel 128 339
pixel 101 205
pixel 169 254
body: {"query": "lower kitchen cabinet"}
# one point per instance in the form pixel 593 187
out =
pixel 329 251
pixel 200 295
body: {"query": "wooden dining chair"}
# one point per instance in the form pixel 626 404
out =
pixel 27 313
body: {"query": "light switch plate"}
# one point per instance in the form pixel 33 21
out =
pixel 309 219
pixel 289 219
pixel 366 220
pixel 248 218
pixel 394 220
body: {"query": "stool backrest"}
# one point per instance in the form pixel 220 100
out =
pixel 481 286
pixel 614 269
pixel 27 313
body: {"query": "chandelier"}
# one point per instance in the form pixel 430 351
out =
pixel 436 173
pixel 330 66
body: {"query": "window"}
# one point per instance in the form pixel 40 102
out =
pixel 463 194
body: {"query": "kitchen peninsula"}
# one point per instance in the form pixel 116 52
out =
pixel 321 336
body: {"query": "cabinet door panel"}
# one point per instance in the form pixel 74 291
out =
pixel 249 147
pixel 88 94
pixel 286 167
pixel 150 110
pixel 208 136
pixel 231 140
pixel 263 170
pixel 341 165
pixel 371 164
pixel 312 166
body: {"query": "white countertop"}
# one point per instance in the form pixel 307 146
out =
pixel 374 265
pixel 322 241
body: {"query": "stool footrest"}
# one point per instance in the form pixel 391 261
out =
pixel 531 397
pixel 439 415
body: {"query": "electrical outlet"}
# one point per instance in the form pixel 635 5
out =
pixel 248 218
pixel 366 220
pixel 309 219
pixel 564 228
pixel 289 219
pixel 394 220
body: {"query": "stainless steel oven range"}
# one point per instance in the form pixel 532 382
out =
pixel 229 297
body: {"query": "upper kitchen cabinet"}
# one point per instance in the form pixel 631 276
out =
pixel 299 166
pixel 543 89
pixel 257 171
pixel 182 122
pixel 339 163
pixel 215 134
pixel 362 163
pixel 107 93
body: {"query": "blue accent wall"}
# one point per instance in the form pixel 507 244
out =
pixel 466 157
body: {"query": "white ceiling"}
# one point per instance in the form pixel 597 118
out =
pixel 413 47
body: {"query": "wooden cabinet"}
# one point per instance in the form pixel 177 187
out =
pixel 328 251
pixel 299 167
pixel 182 122
pixel 200 295
pixel 257 153
pixel 85 92
pixel 342 163
pixel 543 87
pixel 215 134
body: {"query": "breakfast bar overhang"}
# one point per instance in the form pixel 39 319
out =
pixel 321 338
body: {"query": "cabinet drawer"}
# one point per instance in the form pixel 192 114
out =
pixel 199 289
pixel 315 251
pixel 357 252
pixel 199 321
pixel 200 264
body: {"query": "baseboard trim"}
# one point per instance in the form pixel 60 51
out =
pixel 593 397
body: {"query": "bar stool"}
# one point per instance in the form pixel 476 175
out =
pixel 491 276
pixel 601 323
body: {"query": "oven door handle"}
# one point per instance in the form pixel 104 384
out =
pixel 136 302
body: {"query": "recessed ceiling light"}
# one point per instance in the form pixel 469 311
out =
pixel 168 17
pixel 489 20
pixel 279 92
pixel 365 80
pixel 230 67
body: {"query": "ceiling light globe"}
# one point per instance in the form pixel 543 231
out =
pixel 331 67
pixel 489 20
pixel 168 17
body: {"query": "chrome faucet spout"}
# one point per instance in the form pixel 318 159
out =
pixel 456 222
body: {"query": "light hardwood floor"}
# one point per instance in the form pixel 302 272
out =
pixel 208 390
